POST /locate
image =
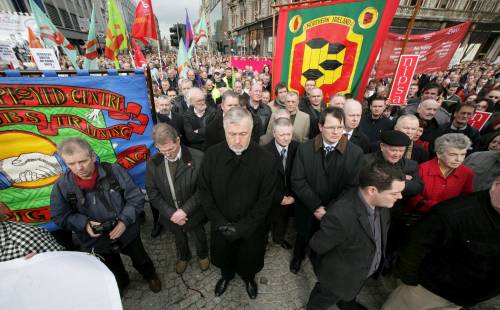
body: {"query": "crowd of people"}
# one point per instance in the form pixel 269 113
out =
pixel 375 190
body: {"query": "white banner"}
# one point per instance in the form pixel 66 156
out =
pixel 45 58
pixel 7 55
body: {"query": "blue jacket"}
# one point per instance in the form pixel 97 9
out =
pixel 90 207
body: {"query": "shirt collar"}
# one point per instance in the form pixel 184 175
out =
pixel 179 155
pixel 326 144
pixel 279 147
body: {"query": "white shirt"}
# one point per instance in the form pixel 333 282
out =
pixel 349 134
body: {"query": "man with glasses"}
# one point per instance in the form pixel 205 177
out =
pixel 324 168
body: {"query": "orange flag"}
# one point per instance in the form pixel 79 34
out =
pixel 33 40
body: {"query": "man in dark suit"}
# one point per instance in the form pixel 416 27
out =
pixel 350 243
pixel 195 118
pixel 283 149
pixel 313 106
pixel 180 104
pixel 353 112
pixel 324 168
pixel 166 115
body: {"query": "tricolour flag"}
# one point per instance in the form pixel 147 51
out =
pixel 90 62
pixel 200 35
pixel 51 36
pixel 116 34
pixel 334 43
pixel 144 24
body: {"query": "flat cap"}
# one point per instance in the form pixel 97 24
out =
pixel 395 138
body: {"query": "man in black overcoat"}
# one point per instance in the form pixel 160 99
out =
pixel 237 182
pixel 283 149
pixel 324 168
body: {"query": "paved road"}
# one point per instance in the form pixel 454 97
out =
pixel 278 288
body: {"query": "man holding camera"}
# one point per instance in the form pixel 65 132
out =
pixel 99 202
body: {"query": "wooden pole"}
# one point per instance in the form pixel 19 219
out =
pixel 151 95
pixel 410 26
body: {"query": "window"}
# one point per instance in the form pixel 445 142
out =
pixel 75 21
pixel 54 16
pixel 471 5
pixel 66 19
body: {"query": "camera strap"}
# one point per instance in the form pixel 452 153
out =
pixel 171 184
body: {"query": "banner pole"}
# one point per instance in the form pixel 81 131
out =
pixel 151 95
pixel 410 26
pixel 274 46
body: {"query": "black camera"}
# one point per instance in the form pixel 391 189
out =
pixel 104 227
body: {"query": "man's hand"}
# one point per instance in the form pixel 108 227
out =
pixel 287 200
pixel 89 229
pixel 117 231
pixel 228 231
pixel 319 212
pixel 30 255
pixel 179 217
pixel 408 177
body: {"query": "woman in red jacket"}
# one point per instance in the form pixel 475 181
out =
pixel 445 176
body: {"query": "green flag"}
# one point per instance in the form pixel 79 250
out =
pixel 182 59
pixel 333 44
pixel 51 36
pixel 90 62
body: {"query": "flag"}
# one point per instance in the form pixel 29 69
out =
pixel 90 62
pixel 201 32
pixel 140 60
pixel 51 36
pixel 189 32
pixel 144 24
pixel 33 40
pixel 182 60
pixel 333 43
pixel 116 33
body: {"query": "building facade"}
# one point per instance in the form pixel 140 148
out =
pixel 248 28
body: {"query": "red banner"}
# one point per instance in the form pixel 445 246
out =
pixel 402 79
pixel 435 50
pixel 256 63
pixel 479 119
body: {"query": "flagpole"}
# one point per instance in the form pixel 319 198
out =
pixel 274 45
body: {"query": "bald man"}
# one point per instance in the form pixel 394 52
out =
pixel 353 112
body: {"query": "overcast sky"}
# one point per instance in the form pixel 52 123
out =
pixel 170 12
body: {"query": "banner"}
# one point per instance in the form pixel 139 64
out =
pixel 45 58
pixel 435 49
pixel 256 63
pixel 13 31
pixel 111 112
pixel 334 43
pixel 7 55
pixel 480 119
pixel 402 79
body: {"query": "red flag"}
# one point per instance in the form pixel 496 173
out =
pixel 144 23
pixel 140 60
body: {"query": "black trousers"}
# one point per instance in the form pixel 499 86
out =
pixel 140 260
pixel 305 230
pixel 64 238
pixel 156 214
pixel 322 298
pixel 277 222
pixel 198 236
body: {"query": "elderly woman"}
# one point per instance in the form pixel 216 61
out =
pixel 445 176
